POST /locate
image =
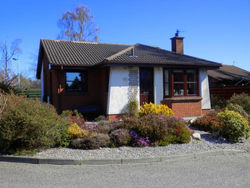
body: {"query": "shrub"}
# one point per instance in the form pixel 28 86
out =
pixel 242 100
pixel 28 124
pixel 237 108
pixel 132 108
pixel 180 135
pixel 94 141
pixel 76 131
pixel 218 102
pixel 3 102
pixel 74 117
pixel 207 122
pixel 139 141
pixel 154 127
pixel 101 118
pixel 150 108
pixel 7 88
pixel 120 137
pixel 106 126
pixel 233 126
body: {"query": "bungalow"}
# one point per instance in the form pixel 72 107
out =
pixel 229 80
pixel 91 76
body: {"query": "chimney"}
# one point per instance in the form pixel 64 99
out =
pixel 177 43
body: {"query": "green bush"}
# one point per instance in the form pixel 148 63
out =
pixel 237 108
pixel 179 136
pixel 28 124
pixel 233 126
pixel 120 137
pixel 218 102
pixel 242 100
pixel 132 108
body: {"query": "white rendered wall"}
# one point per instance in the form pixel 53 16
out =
pixel 120 89
pixel 158 85
pixel 204 89
pixel 42 83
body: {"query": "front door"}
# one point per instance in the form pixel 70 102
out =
pixel 146 85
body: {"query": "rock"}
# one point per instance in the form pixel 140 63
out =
pixel 196 136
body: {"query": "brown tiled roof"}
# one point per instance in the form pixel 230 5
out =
pixel 229 73
pixel 71 53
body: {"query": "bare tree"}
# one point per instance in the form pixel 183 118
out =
pixel 78 25
pixel 8 53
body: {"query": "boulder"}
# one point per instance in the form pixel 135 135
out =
pixel 196 136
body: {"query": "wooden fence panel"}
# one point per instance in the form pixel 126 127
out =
pixel 228 91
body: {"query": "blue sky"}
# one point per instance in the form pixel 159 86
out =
pixel 217 30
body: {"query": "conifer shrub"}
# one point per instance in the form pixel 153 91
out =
pixel 132 108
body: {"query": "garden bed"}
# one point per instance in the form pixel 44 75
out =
pixel 195 146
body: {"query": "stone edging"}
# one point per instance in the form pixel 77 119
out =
pixel 7 158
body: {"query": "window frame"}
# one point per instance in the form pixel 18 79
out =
pixel 171 82
pixel 83 90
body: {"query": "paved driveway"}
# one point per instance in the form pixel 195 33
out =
pixel 213 171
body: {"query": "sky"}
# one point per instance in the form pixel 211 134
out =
pixel 216 30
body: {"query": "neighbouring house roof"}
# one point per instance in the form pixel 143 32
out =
pixel 229 75
pixel 89 54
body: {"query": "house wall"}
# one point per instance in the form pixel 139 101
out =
pixel 54 89
pixel 42 83
pixel 158 85
pixel 204 89
pixel 123 87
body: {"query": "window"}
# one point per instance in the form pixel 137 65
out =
pixel 191 82
pixel 180 83
pixel 166 82
pixel 76 81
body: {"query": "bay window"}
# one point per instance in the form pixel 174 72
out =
pixel 179 82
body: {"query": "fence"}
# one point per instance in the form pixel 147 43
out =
pixel 228 91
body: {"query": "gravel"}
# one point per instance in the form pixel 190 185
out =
pixel 206 144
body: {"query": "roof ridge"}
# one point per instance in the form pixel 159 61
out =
pixel 119 53
pixel 87 42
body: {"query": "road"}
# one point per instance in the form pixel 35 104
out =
pixel 211 171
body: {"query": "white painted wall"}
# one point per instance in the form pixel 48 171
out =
pixel 118 95
pixel 204 89
pixel 42 83
pixel 158 85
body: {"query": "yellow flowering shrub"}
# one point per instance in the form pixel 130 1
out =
pixel 76 131
pixel 150 108
pixel 233 126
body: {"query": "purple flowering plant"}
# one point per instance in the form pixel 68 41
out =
pixel 139 141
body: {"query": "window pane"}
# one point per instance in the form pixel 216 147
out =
pixel 191 76
pixel 178 89
pixel 76 81
pixel 166 76
pixel 178 76
pixel 191 88
pixel 166 83
pixel 166 89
